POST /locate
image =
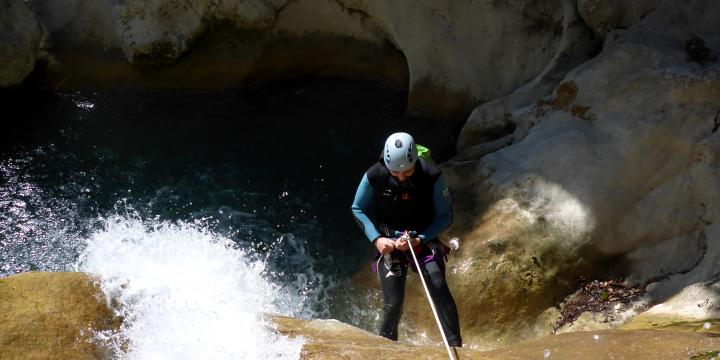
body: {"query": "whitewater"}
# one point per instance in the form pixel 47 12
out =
pixel 184 293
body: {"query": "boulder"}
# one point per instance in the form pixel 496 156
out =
pixel 20 38
pixel 53 316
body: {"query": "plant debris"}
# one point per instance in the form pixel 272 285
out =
pixel 707 355
pixel 598 297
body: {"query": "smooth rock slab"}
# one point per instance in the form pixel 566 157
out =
pixel 330 339
pixel 52 316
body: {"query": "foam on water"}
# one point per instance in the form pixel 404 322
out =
pixel 184 293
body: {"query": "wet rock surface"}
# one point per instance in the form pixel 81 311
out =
pixel 328 339
pixel 68 307
pixel 52 316
pixel 614 344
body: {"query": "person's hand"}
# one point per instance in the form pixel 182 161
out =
pixel 385 245
pixel 403 243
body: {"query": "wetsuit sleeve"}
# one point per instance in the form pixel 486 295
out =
pixel 443 211
pixel 361 207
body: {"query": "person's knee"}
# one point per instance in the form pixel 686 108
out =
pixel 436 281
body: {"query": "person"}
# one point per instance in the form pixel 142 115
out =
pixel 405 194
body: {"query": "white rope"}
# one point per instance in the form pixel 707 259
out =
pixel 432 304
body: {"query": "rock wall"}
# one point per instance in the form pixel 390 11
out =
pixel 451 55
pixel 20 38
pixel 613 173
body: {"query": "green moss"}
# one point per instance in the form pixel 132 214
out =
pixel 707 355
pixel 673 323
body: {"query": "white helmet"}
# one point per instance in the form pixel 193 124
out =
pixel 400 152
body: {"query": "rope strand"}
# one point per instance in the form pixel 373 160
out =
pixel 432 304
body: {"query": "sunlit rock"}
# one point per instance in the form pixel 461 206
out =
pixel 329 339
pixel 55 316
pixel 491 125
pixel 696 304
pixel 52 316
pixel 613 173
pixel 588 322
pixel 20 37
pixel 638 344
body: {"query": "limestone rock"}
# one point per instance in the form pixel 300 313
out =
pixel 52 316
pixel 615 344
pixel 604 16
pixel 671 322
pixel 587 322
pixel 450 54
pixel 462 52
pixel 329 339
pixel 20 37
pixel 90 22
pixel 158 32
pixel 617 162
pixel 697 302
pixel 489 126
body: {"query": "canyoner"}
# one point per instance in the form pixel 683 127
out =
pixel 402 204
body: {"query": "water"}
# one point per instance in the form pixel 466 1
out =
pixel 226 204
pixel 185 293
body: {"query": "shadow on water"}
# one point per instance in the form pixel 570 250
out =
pixel 275 162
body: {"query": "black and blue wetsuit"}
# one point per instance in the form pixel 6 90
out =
pixel 422 203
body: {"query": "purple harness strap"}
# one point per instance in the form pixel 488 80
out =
pixel 432 251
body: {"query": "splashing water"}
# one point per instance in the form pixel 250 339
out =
pixel 546 354
pixel 454 243
pixel 184 293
